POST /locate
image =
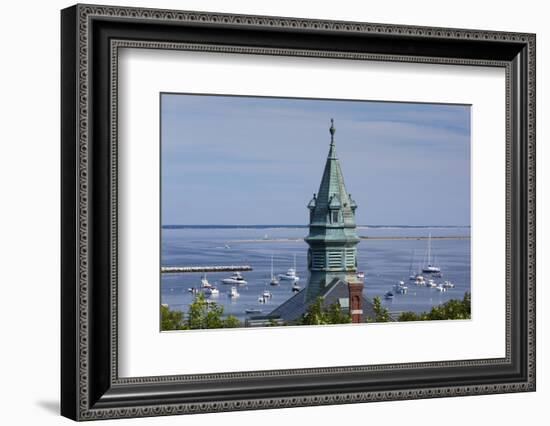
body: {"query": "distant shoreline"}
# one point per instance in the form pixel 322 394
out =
pixel 274 226
pixel 362 237
pixel 451 237
pixel 444 237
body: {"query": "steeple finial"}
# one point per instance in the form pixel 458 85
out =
pixel 332 131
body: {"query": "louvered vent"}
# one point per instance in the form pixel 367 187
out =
pixel 335 259
pixel 318 259
pixel 350 258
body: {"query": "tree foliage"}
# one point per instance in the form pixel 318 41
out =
pixel 318 314
pixel 231 322
pixel 273 323
pixel 335 314
pixel 382 314
pixel 198 313
pixel 171 320
pixel 451 310
pixel 314 314
pixel 408 316
pixel 202 314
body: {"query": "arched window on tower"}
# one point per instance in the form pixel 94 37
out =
pixel 334 209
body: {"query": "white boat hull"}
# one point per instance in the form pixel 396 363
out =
pixel 229 281
pixel 287 278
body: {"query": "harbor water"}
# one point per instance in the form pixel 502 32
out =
pixel 385 258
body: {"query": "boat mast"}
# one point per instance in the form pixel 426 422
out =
pixel 429 249
pixel 422 265
pixel 411 265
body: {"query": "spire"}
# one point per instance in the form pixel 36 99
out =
pixel 332 235
pixel 332 194
pixel 332 130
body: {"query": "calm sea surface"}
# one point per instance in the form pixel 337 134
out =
pixel 384 262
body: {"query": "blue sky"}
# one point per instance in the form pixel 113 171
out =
pixel 245 160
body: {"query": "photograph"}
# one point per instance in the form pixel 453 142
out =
pixel 296 211
pixel 353 199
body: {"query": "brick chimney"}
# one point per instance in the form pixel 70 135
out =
pixel 356 301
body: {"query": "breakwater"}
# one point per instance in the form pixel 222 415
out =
pixel 195 269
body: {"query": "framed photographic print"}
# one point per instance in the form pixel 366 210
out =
pixel 263 212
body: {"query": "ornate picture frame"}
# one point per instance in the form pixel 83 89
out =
pixel 91 37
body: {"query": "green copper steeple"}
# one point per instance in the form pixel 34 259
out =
pixel 332 235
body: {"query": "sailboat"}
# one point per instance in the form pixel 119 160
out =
pixel 400 287
pixel 274 280
pixel 412 275
pixel 430 268
pixel 267 294
pixel 417 276
pixel 204 282
pixel 211 291
pixel 233 293
pixel 290 275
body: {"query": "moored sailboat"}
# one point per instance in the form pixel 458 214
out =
pixel 233 293
pixel 290 274
pixel 204 282
pixel 400 287
pixel 430 268
pixel 274 280
pixel 211 291
pixel 412 274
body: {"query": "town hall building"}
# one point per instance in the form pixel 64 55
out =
pixel 332 253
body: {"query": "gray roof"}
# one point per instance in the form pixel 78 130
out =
pixel 293 308
pixel 296 306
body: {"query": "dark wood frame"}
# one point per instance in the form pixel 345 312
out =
pixel 90 386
